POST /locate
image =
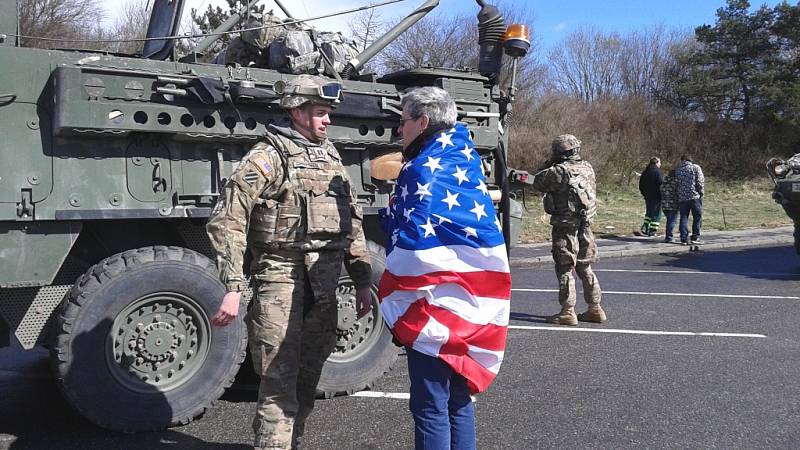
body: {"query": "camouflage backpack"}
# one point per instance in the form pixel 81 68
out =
pixel 339 49
pixel 298 51
pixel 294 52
pixel 581 189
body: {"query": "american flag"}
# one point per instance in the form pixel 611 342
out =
pixel 447 287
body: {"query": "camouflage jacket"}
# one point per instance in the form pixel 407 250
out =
pixel 569 188
pixel 669 194
pixel 287 193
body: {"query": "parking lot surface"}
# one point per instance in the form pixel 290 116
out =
pixel 700 351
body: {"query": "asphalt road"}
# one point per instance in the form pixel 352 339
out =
pixel 701 351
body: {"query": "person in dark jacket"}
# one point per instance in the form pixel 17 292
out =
pixel 649 186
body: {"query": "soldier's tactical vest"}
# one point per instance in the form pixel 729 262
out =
pixel 575 200
pixel 310 210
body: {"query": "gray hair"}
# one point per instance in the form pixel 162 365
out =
pixel 433 102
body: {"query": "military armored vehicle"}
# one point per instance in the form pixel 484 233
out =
pixel 109 167
pixel 786 176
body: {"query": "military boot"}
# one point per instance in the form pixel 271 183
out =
pixel 594 314
pixel 565 317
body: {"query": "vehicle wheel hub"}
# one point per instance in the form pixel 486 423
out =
pixel 353 334
pixel 158 340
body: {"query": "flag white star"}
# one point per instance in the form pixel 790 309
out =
pixel 467 152
pixel 394 238
pixel 422 190
pixel 445 139
pixel 482 187
pixel 478 210
pixel 469 231
pixel 403 192
pixel 442 219
pixel 433 164
pixel 451 200
pixel 497 224
pixel 461 175
pixel 405 166
pixel 428 227
pixel 407 213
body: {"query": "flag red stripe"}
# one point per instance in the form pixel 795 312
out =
pixel 478 377
pixel 462 332
pixel 480 284
pixel 411 323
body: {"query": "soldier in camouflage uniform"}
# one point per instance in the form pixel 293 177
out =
pixel 289 202
pixel 569 187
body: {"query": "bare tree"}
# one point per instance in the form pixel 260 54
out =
pixel 57 19
pixel 645 56
pixel 442 41
pixel 586 64
pixel 437 41
pixel 365 27
pixel 131 24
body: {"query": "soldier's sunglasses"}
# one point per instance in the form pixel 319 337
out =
pixel 330 91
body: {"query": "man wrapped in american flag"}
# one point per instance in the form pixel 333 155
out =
pixel 447 287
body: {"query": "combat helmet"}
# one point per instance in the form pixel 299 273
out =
pixel 308 88
pixel 565 145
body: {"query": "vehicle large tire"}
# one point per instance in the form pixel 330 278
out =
pixel 135 347
pixel 364 349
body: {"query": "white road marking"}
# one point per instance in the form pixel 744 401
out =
pixel 378 394
pixel 674 294
pixel 661 333
pixel 697 272
pixel 394 395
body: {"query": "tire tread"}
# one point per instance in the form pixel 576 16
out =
pixel 95 278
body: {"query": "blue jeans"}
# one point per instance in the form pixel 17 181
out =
pixel 696 208
pixel 444 416
pixel 671 214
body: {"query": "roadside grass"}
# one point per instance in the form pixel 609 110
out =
pixel 727 205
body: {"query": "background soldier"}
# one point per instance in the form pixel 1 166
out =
pixel 569 187
pixel 289 202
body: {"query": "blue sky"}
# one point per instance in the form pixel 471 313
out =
pixel 555 19
pixel 552 19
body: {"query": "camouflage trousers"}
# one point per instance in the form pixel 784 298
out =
pixel 292 331
pixel 574 248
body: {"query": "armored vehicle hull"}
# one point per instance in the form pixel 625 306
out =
pixel 786 176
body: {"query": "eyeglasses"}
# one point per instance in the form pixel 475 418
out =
pixel 403 121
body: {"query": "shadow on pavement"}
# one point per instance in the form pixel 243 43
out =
pixel 765 263
pixel 528 317
pixel 33 415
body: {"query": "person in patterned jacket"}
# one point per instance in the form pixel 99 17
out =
pixel 690 184
pixel 669 203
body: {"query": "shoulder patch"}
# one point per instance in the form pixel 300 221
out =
pixel 262 165
pixel 250 177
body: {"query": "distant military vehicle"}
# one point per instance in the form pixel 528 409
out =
pixel 786 176
pixel 111 164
